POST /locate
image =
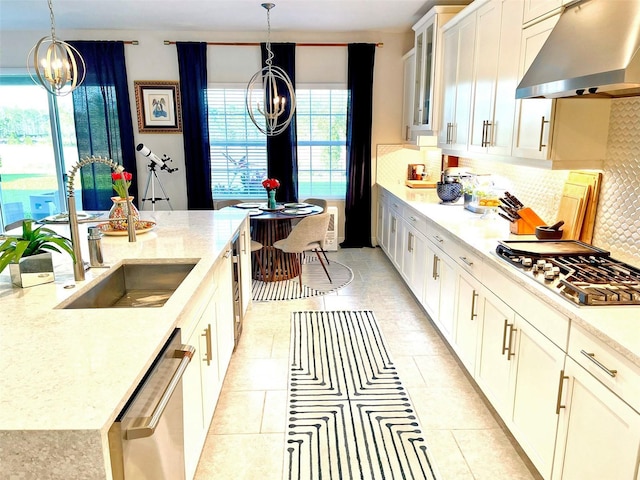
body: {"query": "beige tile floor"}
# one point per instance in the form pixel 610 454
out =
pixel 246 438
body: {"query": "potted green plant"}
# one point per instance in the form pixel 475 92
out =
pixel 29 255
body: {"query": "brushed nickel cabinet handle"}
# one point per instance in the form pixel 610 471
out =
pixel 474 296
pixel 559 405
pixel 592 357
pixel 434 273
pixel 410 242
pixel 504 337
pixel 511 353
pixel 207 335
pixel 540 145
pixel 483 142
pixel 466 261
pixel 438 239
pixel 393 224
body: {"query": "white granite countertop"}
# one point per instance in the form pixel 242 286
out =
pixel 75 369
pixel 618 327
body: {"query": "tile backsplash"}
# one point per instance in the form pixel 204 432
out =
pixel 617 226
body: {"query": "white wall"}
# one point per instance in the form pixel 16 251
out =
pixel 152 60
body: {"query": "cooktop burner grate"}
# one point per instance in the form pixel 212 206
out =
pixel 581 279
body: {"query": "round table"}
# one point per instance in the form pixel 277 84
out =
pixel 269 227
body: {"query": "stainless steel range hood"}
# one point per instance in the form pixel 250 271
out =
pixel 594 50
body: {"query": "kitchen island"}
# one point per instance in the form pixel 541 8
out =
pixel 66 374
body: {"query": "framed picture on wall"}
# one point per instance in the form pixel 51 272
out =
pixel 158 106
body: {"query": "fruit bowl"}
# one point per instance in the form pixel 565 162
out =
pixel 449 192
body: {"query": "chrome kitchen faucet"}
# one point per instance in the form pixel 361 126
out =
pixel 78 266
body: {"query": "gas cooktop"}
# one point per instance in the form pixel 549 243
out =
pixel 580 273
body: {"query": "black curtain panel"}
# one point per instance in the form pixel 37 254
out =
pixel 102 115
pixel 282 149
pixel 192 65
pixel 357 231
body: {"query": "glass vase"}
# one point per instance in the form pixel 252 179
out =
pixel 271 199
pixel 118 213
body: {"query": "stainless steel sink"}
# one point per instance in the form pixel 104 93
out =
pixel 133 285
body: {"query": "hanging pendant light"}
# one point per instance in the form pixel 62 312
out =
pixel 274 115
pixel 55 63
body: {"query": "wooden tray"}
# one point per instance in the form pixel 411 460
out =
pixel 419 184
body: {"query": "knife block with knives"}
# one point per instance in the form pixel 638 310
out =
pixel 523 220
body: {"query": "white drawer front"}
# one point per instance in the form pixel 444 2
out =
pixel 415 219
pixel 608 366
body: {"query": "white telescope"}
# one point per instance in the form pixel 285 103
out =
pixel 161 162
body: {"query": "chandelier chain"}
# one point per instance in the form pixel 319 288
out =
pixel 270 55
pixel 53 21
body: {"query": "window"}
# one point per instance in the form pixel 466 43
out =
pixel 36 135
pixel 322 139
pixel 239 150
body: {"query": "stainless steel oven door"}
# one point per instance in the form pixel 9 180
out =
pixel 146 440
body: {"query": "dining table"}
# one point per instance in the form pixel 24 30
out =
pixel 267 227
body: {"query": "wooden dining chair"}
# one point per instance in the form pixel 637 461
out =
pixel 306 236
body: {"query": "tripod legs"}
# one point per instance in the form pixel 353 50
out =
pixel 151 182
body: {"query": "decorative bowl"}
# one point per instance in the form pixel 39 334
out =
pixel 449 192
pixel 545 232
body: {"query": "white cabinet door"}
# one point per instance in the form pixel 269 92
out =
pixel 496 76
pixel 414 260
pixel 459 45
pixel 395 233
pixel 486 70
pixel 534 423
pixel 382 233
pixel 599 434
pixel 536 8
pixel 468 320
pixel 533 120
pixel 193 416
pixel 409 67
pixel 211 381
pixel 451 40
pixel 200 382
pixel 497 339
pixel 427 69
pixel 433 268
pixel 225 321
pixel 466 54
pixel 245 265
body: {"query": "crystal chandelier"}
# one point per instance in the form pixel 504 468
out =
pixel 274 116
pixel 55 63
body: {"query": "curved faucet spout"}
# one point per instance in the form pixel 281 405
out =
pixel 78 266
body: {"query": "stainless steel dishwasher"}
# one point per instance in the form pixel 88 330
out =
pixel 146 439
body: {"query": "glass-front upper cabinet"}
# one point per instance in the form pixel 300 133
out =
pixel 427 67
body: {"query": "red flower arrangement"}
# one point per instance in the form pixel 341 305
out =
pixel 121 183
pixel 270 184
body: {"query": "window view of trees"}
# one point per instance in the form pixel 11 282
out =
pixel 29 183
pixel 239 154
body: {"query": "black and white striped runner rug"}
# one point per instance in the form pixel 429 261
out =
pixel 349 416
pixel 314 282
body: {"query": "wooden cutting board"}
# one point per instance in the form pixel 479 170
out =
pixel 594 180
pixel 572 209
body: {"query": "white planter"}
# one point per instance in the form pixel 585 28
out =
pixel 32 270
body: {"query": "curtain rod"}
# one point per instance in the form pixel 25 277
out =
pixel 257 44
